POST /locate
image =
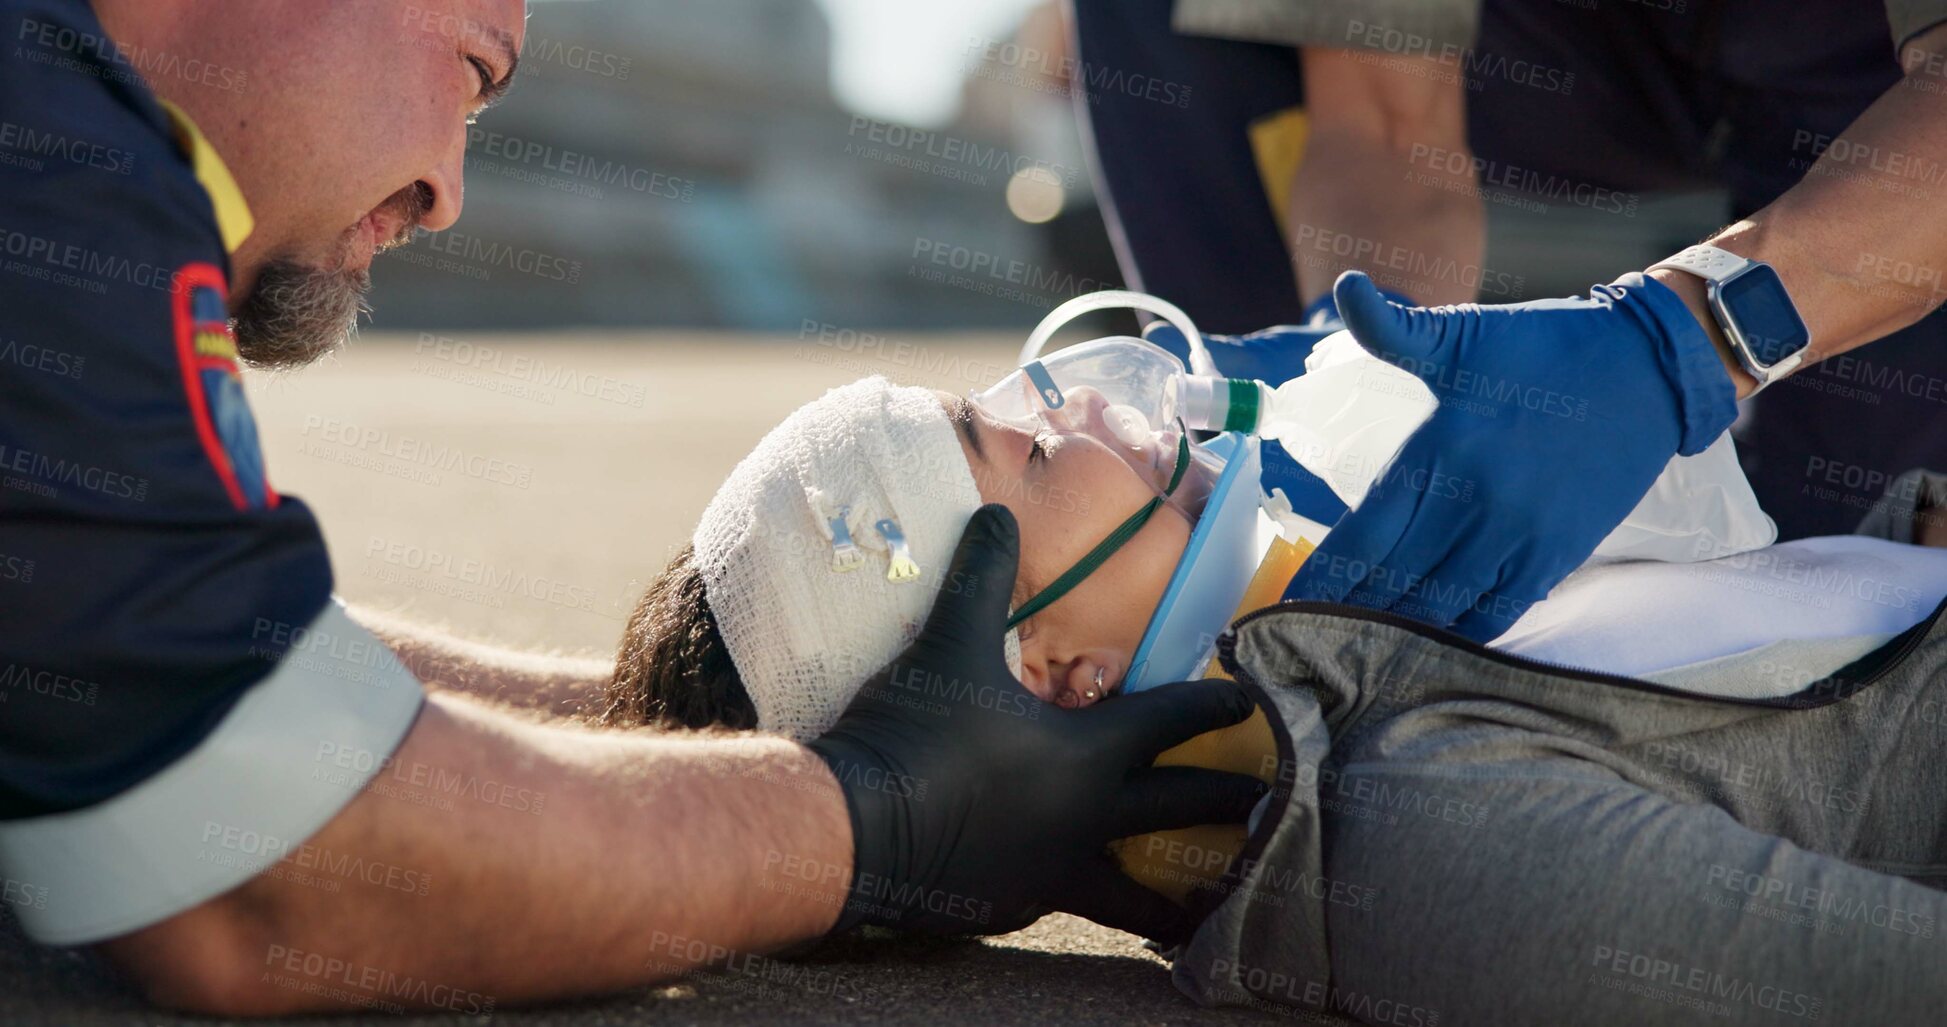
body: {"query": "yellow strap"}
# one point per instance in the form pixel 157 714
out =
pixel 232 213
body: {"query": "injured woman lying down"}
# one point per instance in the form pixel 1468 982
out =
pixel 1672 790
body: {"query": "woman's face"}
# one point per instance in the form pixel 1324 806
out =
pixel 1068 492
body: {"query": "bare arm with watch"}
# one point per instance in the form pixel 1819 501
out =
pixel 1830 239
pixel 1648 366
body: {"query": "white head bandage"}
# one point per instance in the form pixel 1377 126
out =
pixel 869 477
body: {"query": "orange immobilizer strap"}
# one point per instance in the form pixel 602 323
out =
pixel 1176 863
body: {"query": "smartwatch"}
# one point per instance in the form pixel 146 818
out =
pixel 1749 301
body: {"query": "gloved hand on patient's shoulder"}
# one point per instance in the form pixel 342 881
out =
pixel 1555 418
pixel 976 808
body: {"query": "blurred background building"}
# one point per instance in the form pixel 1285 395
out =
pixel 665 163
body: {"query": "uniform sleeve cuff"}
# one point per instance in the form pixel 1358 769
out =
pixel 293 751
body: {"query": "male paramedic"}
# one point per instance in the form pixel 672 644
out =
pixel 245 797
pixel 1238 141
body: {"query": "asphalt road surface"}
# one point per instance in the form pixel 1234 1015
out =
pixel 1060 971
pixel 521 490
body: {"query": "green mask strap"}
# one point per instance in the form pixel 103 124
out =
pixel 1106 548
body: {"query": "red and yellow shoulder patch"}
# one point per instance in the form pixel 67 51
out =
pixel 206 346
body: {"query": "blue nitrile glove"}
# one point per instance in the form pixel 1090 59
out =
pixel 1555 418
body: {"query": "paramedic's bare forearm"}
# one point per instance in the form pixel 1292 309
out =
pixel 1387 184
pixel 559 686
pixel 1870 212
pixel 622 859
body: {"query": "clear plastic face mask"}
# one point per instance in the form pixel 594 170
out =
pixel 1122 393
pixel 1113 394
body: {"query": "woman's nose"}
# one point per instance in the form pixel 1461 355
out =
pixel 1083 410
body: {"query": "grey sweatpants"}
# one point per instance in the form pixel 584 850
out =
pixel 1543 849
pixel 1463 837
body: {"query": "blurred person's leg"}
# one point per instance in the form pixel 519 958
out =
pixel 1386 184
pixel 1175 166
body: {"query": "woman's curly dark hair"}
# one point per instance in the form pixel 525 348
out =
pixel 673 669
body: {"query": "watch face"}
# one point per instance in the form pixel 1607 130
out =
pixel 1764 314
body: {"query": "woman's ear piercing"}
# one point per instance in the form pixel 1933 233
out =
pixel 1097 690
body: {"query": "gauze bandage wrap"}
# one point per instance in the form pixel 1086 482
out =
pixel 798 560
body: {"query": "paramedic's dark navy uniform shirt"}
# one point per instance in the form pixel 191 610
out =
pixel 149 575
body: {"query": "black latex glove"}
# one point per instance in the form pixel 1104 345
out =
pixel 976 807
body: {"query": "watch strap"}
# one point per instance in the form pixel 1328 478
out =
pixel 1706 262
pixel 1715 265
